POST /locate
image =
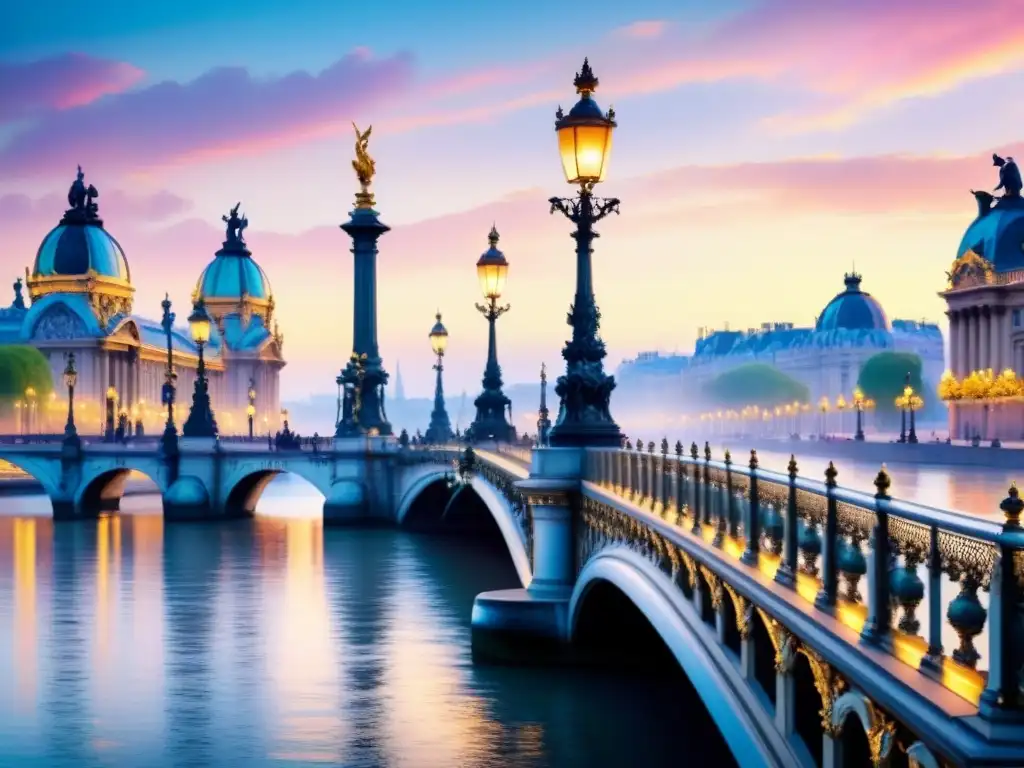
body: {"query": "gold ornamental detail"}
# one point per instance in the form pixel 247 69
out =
pixel 364 167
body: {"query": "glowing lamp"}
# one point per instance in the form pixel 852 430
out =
pixel 199 323
pixel 585 134
pixel 251 410
pixel 439 334
pixel 30 393
pixel 111 393
pixel 492 268
pixel 71 375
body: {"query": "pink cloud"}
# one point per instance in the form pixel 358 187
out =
pixel 857 57
pixel 224 111
pixel 60 82
pixel 643 30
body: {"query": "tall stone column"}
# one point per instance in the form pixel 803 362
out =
pixel 985 338
pixel 1003 336
pixel 954 330
pixel 963 322
pixel 975 340
pixel 365 228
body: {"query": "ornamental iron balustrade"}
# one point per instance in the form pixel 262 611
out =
pixel 819 536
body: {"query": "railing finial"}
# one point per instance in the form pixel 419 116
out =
pixel 753 458
pixel 1012 506
pixel 793 468
pixel 693 451
pixel 831 473
pixel 882 483
pixel 728 456
pixel 707 451
pixel 679 448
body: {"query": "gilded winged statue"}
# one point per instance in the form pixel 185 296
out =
pixel 363 164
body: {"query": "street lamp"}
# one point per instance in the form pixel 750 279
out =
pixel 858 404
pixel 169 440
pixel 70 379
pixel 841 407
pixel 823 407
pixel 30 407
pixel 584 143
pixel 200 422
pixel 440 429
pixel 904 403
pixel 490 423
pixel 250 410
pixel 108 433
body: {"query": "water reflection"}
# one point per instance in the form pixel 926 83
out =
pixel 273 642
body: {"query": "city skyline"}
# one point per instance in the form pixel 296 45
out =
pixel 751 179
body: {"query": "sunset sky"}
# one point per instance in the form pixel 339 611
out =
pixel 763 148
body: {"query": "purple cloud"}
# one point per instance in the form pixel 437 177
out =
pixel 60 83
pixel 38 215
pixel 224 111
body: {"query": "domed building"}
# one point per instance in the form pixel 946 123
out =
pixel 985 301
pixel 81 292
pixel 827 357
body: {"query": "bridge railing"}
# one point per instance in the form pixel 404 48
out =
pixel 821 540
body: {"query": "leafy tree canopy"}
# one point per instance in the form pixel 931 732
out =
pixel 22 367
pixel 755 384
pixel 883 376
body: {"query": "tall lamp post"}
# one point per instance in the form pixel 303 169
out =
pixel 169 439
pixel 858 405
pixel 903 402
pixel 30 410
pixel 250 410
pixel 841 407
pixel 71 439
pixel 200 422
pixel 440 429
pixel 823 405
pixel 490 422
pixel 108 432
pixel 584 142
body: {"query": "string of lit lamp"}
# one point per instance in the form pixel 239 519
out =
pixel 857 401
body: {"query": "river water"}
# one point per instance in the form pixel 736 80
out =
pixel 276 642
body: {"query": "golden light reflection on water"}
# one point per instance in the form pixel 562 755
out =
pixel 302 651
pixel 25 629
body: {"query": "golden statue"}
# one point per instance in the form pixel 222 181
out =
pixel 364 167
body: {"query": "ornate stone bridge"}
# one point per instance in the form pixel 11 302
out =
pixel 820 626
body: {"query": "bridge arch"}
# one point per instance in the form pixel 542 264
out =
pixel 245 485
pixel 420 479
pixel 102 486
pixel 737 711
pixel 45 470
pixel 850 710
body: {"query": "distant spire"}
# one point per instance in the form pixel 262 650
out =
pixel 399 387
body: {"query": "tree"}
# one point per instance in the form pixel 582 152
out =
pixel 755 384
pixel 20 368
pixel 883 377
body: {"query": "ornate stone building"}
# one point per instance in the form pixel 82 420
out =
pixel 827 358
pixel 985 303
pixel 81 292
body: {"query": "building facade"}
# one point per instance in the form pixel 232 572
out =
pixel 81 300
pixel 827 357
pixel 985 305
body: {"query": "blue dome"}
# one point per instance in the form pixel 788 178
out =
pixel 997 234
pixel 232 274
pixel 76 248
pixel 853 310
